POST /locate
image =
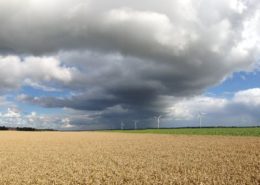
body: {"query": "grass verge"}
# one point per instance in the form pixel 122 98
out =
pixel 199 131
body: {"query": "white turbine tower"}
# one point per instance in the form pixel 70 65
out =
pixel 122 125
pixel 200 115
pixel 135 124
pixel 158 120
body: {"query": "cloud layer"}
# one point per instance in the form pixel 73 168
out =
pixel 242 109
pixel 125 59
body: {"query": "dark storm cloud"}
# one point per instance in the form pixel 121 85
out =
pixel 129 54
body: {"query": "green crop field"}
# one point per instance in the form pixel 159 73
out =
pixel 200 131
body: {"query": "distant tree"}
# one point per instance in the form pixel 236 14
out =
pixel 3 128
pixel 25 129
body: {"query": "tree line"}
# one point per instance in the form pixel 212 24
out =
pixel 23 129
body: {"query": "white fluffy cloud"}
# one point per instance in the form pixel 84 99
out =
pixel 250 97
pixel 66 124
pixel 188 109
pixel 34 71
pixel 15 117
pixel 242 109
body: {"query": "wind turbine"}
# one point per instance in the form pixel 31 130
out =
pixel 122 125
pixel 200 115
pixel 135 122
pixel 158 120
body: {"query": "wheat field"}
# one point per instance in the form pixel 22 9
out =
pixel 119 158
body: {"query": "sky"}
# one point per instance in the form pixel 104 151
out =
pixel 92 64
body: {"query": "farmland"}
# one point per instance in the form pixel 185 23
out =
pixel 120 158
pixel 235 131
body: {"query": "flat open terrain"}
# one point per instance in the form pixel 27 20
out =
pixel 120 158
pixel 200 131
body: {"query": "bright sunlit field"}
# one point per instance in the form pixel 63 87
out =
pixel 121 158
